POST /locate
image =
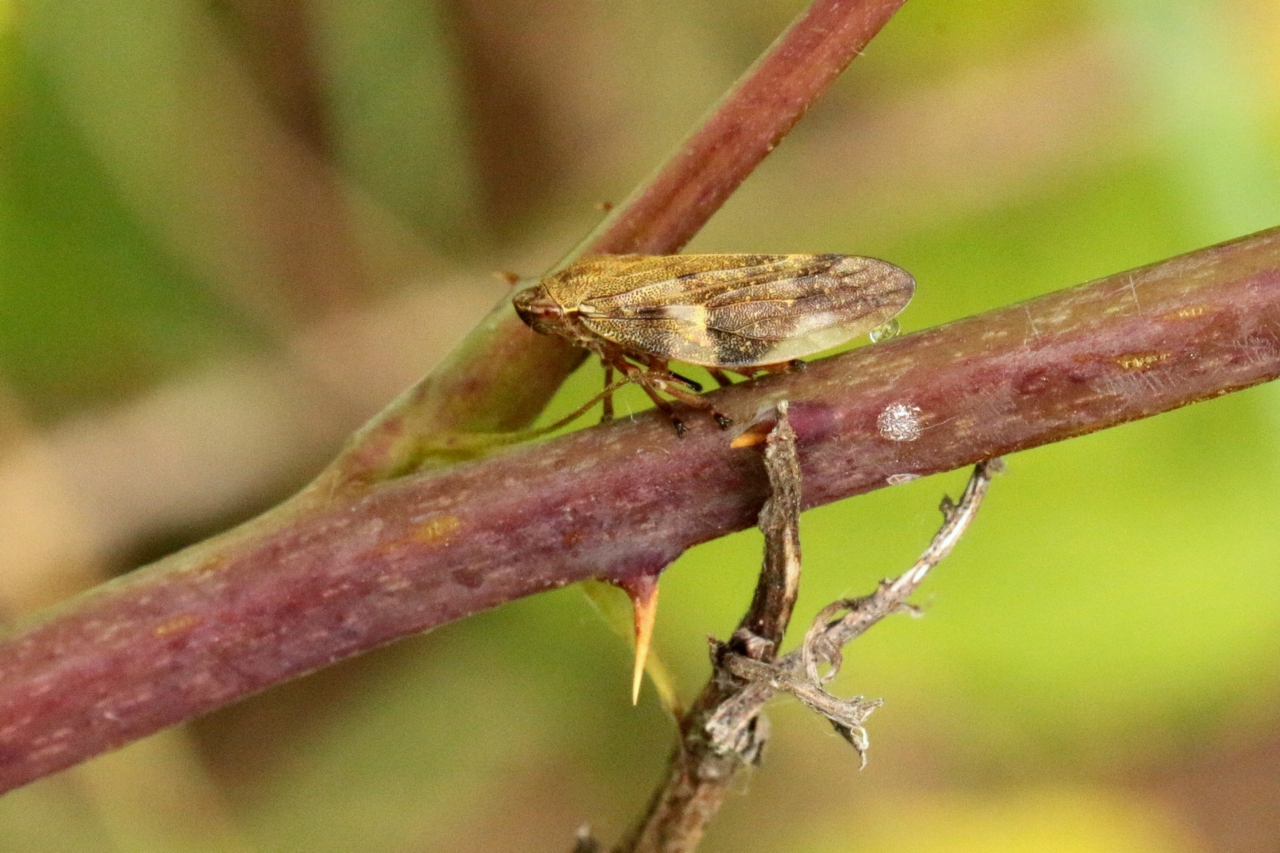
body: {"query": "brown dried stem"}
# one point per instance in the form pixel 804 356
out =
pixel 289 594
pixel 723 733
pixel 702 769
pixel 502 375
pixel 798 672
pixel 767 618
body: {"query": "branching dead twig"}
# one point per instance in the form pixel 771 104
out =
pixel 798 673
pixel 724 732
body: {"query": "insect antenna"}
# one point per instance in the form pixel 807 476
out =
pixel 462 441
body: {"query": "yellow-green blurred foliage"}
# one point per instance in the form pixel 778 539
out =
pixel 231 229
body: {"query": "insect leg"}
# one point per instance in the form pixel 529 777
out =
pixel 721 378
pixel 661 367
pixel 686 381
pixel 649 382
pixel 606 413
pixel 662 404
pixel 783 367
pixel 657 378
pixel 688 398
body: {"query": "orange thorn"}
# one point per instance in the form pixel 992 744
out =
pixel 755 434
pixel 644 605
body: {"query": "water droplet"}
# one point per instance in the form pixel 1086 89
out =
pixel 885 331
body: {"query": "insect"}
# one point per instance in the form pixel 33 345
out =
pixel 739 313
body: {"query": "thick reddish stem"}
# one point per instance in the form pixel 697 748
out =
pixel 287 595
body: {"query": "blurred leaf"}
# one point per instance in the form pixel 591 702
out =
pixel 399 114
pixel 90 309
pixel 1049 820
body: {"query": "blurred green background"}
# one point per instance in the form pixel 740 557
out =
pixel 234 229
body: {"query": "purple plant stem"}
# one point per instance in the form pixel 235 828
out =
pixel 502 376
pixel 284 596
pixel 743 128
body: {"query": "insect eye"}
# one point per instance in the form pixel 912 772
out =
pixel 533 305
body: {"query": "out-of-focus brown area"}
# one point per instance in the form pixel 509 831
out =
pixel 233 231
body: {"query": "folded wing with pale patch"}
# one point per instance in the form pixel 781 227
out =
pixel 768 310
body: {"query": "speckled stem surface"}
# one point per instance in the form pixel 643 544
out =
pixel 283 596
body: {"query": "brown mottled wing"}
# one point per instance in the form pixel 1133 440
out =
pixel 595 277
pixel 737 310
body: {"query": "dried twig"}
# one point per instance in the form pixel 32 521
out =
pixel 798 672
pixel 724 733
pixel 702 769
pixel 770 612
